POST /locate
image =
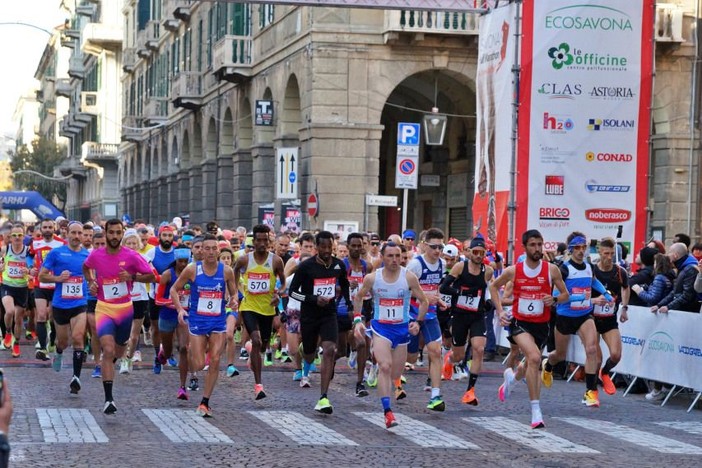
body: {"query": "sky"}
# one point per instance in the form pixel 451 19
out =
pixel 21 51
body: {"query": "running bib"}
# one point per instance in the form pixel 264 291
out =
pixel 584 304
pixel 184 298
pixel 14 269
pixel 446 299
pixel 430 288
pixel 530 305
pixel 390 310
pixel 325 287
pixel 606 310
pixel 209 303
pixel 114 289
pixel 468 303
pixel 72 288
pixel 47 285
pixel 258 283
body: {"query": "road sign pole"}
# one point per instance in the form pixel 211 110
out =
pixel 405 193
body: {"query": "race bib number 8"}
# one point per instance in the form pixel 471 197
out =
pixel 114 289
pixel 530 306
pixel 325 287
pixel 259 283
pixel 72 288
pixel 390 311
pixel 209 303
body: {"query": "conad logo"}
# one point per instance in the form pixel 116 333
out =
pixel 607 215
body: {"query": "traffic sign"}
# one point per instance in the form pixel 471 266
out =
pixel 286 172
pixel 312 204
pixel 407 155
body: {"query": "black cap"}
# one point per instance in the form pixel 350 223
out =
pixel 477 242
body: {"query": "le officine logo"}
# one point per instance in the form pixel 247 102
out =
pixel 578 59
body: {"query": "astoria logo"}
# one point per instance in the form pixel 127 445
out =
pixel 612 92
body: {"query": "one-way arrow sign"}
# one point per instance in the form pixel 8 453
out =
pixel 286 185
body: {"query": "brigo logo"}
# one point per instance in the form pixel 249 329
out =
pixel 557 124
pixel 554 185
pixel 554 214
pixel 607 215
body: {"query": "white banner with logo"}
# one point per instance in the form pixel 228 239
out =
pixel 662 347
pixel 493 142
pixel 585 92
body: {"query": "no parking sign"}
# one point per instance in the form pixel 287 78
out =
pixel 407 155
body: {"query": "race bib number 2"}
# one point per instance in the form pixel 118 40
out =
pixel 114 289
pixel 325 287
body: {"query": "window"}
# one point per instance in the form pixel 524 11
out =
pixel 266 14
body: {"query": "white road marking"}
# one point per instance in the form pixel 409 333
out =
pixel 301 429
pixel 688 426
pixel 69 425
pixel 185 426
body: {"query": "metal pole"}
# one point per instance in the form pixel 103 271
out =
pixel 512 207
pixel 365 213
pixel 404 209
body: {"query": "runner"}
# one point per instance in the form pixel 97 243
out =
pixel 533 281
pixel 314 286
pixel 616 281
pixel 99 242
pixel 64 266
pixel 575 316
pixel 391 287
pixel 110 273
pixel 226 256
pixel 257 308
pixel 16 268
pixel 292 328
pixel 466 283
pixel 209 280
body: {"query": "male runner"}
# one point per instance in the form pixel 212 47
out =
pixel 466 283
pixel 110 273
pixel 209 279
pixel 259 270
pixel 533 281
pixel 616 281
pixel 99 242
pixel 391 287
pixel 64 266
pixel 314 286
pixel 575 316
pixel 16 268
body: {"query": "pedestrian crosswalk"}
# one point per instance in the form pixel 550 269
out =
pixel 359 429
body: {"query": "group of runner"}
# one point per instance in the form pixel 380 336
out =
pixel 381 302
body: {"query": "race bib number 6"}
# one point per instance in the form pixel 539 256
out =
pixel 324 287
pixel 530 306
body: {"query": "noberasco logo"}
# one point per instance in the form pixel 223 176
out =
pixel 561 56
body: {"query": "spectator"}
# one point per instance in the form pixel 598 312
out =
pixel 656 244
pixel 698 281
pixel 697 251
pixel 683 296
pixel 683 238
pixel 662 283
pixel 644 276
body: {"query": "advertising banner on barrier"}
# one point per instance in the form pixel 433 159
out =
pixel 493 142
pixel 584 120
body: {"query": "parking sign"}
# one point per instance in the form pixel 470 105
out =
pixel 407 155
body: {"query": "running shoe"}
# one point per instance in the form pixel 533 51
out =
pixel 232 371
pixel 656 395
pixel 157 366
pixel 243 355
pixel 42 355
pixel 204 411
pixel 457 373
pixel 297 376
pixel 278 355
pixel 124 366
pixel 52 348
pixel 538 425
pixel 7 342
pixel 172 362
pixel 286 357
pixel 259 394
pixel 109 408
pixel 469 397
pixel 372 379
pixel 75 385
pixel 148 341
pixel 436 404
pixel 409 366
pixel 447 370
pixel 57 361
pixel 305 382
pixel 403 379
pixel 607 384
pixel 97 372
pixel 591 398
pixel 182 394
pixel 161 356
pixel 427 385
pixel 400 393
pixel 361 390
pixel 324 406
pixel 353 359
pixel 37 345
pixel 15 350
pixel 237 335
pixel 268 360
pixel 137 356
pixel 390 420
pixel 503 391
pixel 546 376
pixel 194 385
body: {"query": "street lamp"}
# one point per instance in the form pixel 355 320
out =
pixel 434 127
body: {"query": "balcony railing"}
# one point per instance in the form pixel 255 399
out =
pixel 186 90
pixel 429 22
pixel 153 34
pixel 233 58
pixel 99 152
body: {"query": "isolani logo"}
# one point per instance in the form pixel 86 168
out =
pixel 609 157
pixel 554 214
pixel 593 187
pixel 586 17
pixel 607 215
pixel 554 185
pixel 565 56
pixel 597 125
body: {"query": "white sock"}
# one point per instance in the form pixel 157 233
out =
pixel 536 412
pixel 435 392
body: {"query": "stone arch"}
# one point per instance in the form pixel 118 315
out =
pixel 163 163
pixel 210 150
pixel 290 115
pixel 196 155
pixel 226 133
pixel 245 124
pixel 174 162
pixel 185 161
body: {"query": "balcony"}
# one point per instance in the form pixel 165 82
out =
pixel 179 9
pixel 64 88
pixel 232 59
pixel 141 49
pixel 89 102
pixel 67 129
pixel 131 129
pixel 129 60
pixel 86 9
pixel 101 36
pixel 76 67
pixel 156 111
pixel 186 90
pixel 99 153
pixel 82 119
pixel 153 34
pixel 72 166
pixel 67 42
pixel 417 24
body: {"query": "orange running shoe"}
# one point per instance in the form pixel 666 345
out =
pixel 607 384
pixel 15 350
pixel 469 398
pixel 447 371
pixel 390 420
pixel 591 398
pixel 7 342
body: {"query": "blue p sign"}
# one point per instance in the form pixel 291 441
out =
pixel 408 134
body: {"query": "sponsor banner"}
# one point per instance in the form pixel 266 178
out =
pixel 583 125
pixel 494 96
pixel 267 216
pixel 291 218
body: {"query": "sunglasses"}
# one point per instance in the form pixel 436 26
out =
pixel 478 252
pixel 375 243
pixel 409 238
pixel 435 246
pixel 16 235
pixel 579 247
